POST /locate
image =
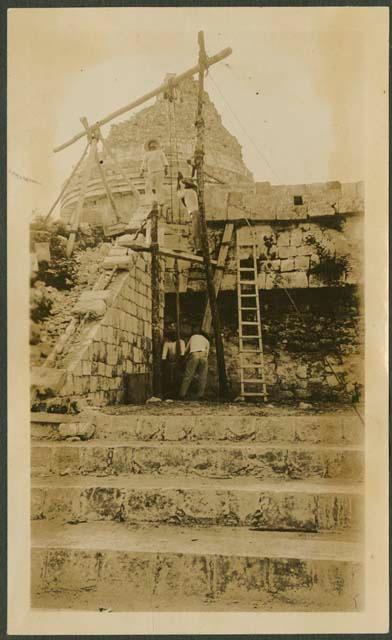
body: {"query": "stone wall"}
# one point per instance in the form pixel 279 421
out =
pixel 291 202
pixel 328 328
pixel 291 254
pixel 117 342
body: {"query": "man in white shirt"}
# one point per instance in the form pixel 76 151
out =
pixel 156 165
pixel 187 194
pixel 197 351
pixel 170 361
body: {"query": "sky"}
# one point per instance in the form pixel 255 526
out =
pixel 292 92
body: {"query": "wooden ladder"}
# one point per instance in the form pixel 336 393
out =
pixel 251 356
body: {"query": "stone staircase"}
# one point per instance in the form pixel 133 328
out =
pixel 188 508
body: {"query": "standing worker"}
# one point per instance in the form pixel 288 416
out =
pixel 187 194
pixel 170 361
pixel 196 353
pixel 156 165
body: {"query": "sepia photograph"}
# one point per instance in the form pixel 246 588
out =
pixel 192 203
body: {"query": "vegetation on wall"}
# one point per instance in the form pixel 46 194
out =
pixel 61 271
pixel 40 303
pixel 332 269
pixel 336 222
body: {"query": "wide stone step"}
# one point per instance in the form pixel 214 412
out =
pixel 334 428
pixel 110 565
pixel 187 501
pixel 209 459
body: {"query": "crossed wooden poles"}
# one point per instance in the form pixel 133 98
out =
pixel 94 136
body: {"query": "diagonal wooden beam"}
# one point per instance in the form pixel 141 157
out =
pixel 219 272
pixel 82 194
pixel 161 89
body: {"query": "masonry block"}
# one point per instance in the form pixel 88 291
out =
pixel 118 251
pixel 298 279
pixel 296 237
pixel 301 263
pixel 287 252
pixel 317 209
pixel 47 381
pixel 83 430
pixel 283 239
pixel 117 262
pixel 95 308
pixel 287 265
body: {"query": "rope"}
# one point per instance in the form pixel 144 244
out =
pixel 244 130
pixel 175 134
pixel 176 142
pixel 170 156
pixel 171 100
pixel 253 142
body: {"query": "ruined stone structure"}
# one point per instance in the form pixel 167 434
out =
pixel 309 238
pixel 206 507
pixel 110 342
pixel 173 124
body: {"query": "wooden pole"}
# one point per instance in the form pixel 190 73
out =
pixel 74 170
pixel 218 275
pixel 155 296
pixel 178 320
pixel 199 160
pixel 161 89
pixel 82 192
pixel 106 187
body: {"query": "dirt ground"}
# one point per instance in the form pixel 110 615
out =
pixel 232 409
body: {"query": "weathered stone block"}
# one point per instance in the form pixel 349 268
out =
pixel 270 265
pixel 118 251
pixel 296 237
pixel 86 368
pixel 304 250
pixel 46 380
pixel 117 262
pixel 316 209
pixel 95 308
pixel 101 369
pixel 287 265
pixel 287 252
pixel 112 355
pixel 301 263
pixel 83 430
pixel 332 381
pixel 297 279
pixel 283 239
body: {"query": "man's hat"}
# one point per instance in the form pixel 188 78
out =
pixel 147 145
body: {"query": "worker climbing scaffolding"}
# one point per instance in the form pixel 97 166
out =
pixel 187 193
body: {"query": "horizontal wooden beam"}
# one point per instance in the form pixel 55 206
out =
pixel 161 89
pixel 169 253
pixel 181 255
